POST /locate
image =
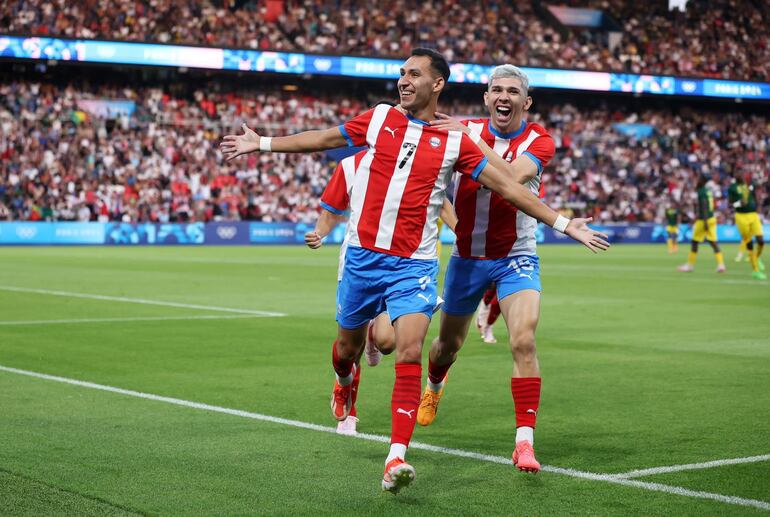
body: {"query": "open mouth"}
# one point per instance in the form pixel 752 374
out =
pixel 503 112
pixel 406 95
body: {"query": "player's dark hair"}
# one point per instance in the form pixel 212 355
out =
pixel 438 62
pixel 385 101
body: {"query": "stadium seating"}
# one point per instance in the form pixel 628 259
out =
pixel 58 162
pixel 720 38
pixel 160 164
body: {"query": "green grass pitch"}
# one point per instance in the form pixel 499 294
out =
pixel 643 367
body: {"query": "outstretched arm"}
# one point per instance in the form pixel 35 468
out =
pixel 507 180
pixel 233 146
pixel 522 168
pixel 520 196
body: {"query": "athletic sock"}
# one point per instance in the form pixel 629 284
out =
pixel 754 261
pixel 670 245
pixel 397 450
pixel 343 368
pixel 404 402
pixel 720 258
pixel 489 294
pixel 525 433
pixel 526 400
pixel 437 374
pixel 356 381
pixel 691 257
pixel 494 312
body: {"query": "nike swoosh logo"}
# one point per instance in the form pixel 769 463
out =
pixel 532 411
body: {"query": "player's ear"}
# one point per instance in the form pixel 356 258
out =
pixel 438 84
pixel 528 103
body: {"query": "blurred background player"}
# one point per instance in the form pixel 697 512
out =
pixel 487 314
pixel 334 201
pixel 496 244
pixel 741 252
pixel 742 194
pixel 673 218
pixel 705 227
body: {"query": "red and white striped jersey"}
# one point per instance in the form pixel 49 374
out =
pixel 488 226
pixel 401 182
pixel 336 196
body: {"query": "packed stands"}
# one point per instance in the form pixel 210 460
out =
pixel 161 162
pixel 716 38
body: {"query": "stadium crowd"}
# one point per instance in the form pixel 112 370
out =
pixel 161 163
pixel 716 38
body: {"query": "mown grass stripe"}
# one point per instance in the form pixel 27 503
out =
pixel 608 478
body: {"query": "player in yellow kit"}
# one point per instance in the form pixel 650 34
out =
pixel 742 196
pixel 705 227
pixel 672 228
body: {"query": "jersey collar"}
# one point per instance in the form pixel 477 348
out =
pixel 498 134
pixel 417 121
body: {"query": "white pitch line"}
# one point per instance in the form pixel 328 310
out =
pixel 139 300
pixel 608 478
pixel 692 466
pixel 138 318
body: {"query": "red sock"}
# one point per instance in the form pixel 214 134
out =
pixel 526 399
pixel 403 404
pixel 437 372
pixel 342 367
pixel 494 312
pixel 356 380
pixel 488 295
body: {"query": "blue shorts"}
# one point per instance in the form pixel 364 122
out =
pixel 467 279
pixel 374 282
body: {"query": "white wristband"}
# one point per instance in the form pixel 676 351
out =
pixel 265 143
pixel 561 223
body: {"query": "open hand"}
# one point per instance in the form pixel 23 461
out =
pixel 579 230
pixel 233 146
pixel 447 123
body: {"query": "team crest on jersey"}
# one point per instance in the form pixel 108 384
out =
pixel 434 141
